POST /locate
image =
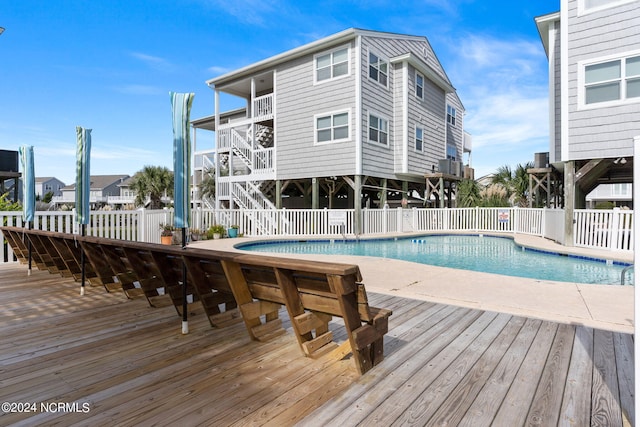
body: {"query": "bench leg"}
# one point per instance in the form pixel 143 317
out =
pixel 251 310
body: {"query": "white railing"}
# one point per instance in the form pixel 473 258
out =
pixel 605 229
pixel 263 163
pixel 263 107
pixel 602 229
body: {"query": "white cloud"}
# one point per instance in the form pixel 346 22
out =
pixel 503 86
pixel 155 62
pixel 217 70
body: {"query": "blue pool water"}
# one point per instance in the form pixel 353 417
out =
pixel 478 253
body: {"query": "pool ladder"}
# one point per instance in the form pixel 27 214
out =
pixel 624 271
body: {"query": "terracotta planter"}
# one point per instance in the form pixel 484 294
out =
pixel 166 240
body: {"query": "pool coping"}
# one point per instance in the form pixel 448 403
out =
pixel 609 307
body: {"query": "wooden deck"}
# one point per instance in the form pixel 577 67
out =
pixel 122 362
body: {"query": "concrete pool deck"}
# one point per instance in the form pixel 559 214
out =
pixel 609 307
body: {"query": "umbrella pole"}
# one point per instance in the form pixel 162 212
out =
pixel 83 227
pixel 185 321
pixel 30 225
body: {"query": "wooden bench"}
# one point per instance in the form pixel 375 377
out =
pixel 313 292
pixel 230 284
pixel 55 252
pixel 17 241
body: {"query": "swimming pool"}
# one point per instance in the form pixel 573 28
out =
pixel 489 254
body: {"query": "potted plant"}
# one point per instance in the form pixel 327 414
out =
pixel 233 231
pixel 215 232
pixel 196 234
pixel 166 234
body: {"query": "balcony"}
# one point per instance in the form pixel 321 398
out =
pixel 262 112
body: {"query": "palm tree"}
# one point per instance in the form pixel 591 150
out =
pixel 151 184
pixel 208 185
pixel 468 194
pixel 516 182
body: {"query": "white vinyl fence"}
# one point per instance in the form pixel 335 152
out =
pixel 603 229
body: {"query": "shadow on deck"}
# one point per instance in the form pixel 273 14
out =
pixel 109 360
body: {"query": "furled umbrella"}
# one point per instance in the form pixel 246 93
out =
pixel 28 191
pixel 83 186
pixel 181 108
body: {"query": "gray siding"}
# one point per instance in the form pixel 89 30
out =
pixel 428 113
pixel 555 150
pixel 298 100
pixel 607 131
pixel 385 162
pixel 455 133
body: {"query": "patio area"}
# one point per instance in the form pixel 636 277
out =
pixel 109 360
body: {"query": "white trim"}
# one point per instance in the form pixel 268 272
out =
pixel 582 10
pixel 383 117
pixel 623 100
pixel 358 103
pixel 564 80
pixel 216 159
pixel 552 54
pixel 330 52
pixel 275 123
pixel 381 58
pixel 405 117
pixel 331 114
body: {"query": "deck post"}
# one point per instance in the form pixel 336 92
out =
pixel 569 201
pixel 357 205
pixel 315 193
pixel 278 194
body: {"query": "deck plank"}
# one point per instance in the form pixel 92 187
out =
pixel 576 407
pixel 443 365
pixel 605 396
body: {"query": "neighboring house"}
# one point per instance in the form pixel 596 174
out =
pixel 593 48
pixel 102 187
pixel 336 123
pixel 125 196
pixel 620 195
pixel 48 184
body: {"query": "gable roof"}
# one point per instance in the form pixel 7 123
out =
pixel 543 22
pixel 98 182
pixel 318 45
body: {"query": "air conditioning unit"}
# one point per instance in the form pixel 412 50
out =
pixel 445 166
pixel 541 160
pixel 456 168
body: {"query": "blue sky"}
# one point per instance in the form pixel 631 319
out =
pixel 109 66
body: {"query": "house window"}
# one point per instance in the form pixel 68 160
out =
pixel 378 129
pixel 332 65
pixel 332 127
pixel 419 85
pixel 452 152
pixel 451 115
pixel 611 81
pixel 378 69
pixel 419 138
pixel 585 6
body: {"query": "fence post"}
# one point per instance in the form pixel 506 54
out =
pixel 614 230
pixel 476 220
pixel 74 223
pixel 543 222
pixel 142 224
